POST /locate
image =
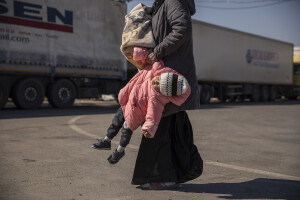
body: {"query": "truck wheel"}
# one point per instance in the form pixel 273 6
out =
pixel 255 96
pixel 4 93
pixel 28 93
pixel 205 94
pixel 265 93
pixel 61 93
pixel 273 93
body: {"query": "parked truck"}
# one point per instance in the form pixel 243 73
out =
pixel 70 49
pixel 234 65
pixel 63 50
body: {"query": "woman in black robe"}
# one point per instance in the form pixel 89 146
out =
pixel 171 156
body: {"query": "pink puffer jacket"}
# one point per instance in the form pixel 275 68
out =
pixel 140 102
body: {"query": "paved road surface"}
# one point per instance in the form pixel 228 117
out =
pixel 251 151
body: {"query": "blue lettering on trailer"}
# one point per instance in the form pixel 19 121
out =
pixel 53 13
pixel 29 14
pixel 21 8
pixel 3 9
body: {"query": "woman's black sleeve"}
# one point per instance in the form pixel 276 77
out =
pixel 179 18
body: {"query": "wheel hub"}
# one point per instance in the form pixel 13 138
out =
pixel 64 94
pixel 30 94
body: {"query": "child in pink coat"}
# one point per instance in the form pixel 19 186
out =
pixel 144 97
pixel 142 101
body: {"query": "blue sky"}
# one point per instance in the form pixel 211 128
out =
pixel 280 21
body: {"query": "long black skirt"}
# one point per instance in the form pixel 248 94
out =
pixel 171 155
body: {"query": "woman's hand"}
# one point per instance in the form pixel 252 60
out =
pixel 151 58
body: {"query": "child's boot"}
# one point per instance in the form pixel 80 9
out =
pixel 120 151
pixel 112 131
pixel 115 156
pixel 102 144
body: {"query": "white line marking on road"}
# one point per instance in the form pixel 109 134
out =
pixel 256 171
pixel 72 125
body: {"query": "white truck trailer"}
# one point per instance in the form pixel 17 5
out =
pixel 70 49
pixel 232 64
pixel 63 50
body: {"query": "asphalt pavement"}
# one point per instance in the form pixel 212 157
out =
pixel 250 150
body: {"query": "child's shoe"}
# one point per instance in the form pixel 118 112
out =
pixel 102 144
pixel 115 156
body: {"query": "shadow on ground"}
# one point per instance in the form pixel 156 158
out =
pixel 97 107
pixel 214 105
pixel 48 111
pixel 260 188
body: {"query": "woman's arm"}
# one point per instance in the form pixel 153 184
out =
pixel 178 16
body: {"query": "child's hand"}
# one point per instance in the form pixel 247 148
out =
pixel 146 134
pixel 140 54
pixel 149 129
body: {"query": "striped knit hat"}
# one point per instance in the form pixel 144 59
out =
pixel 172 84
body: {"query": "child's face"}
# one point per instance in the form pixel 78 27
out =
pixel 156 83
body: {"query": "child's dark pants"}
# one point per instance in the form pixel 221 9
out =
pixel 116 125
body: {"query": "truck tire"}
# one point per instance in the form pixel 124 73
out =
pixel 28 93
pixel 4 93
pixel 256 94
pixel 273 93
pixel 205 94
pixel 61 93
pixel 265 94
